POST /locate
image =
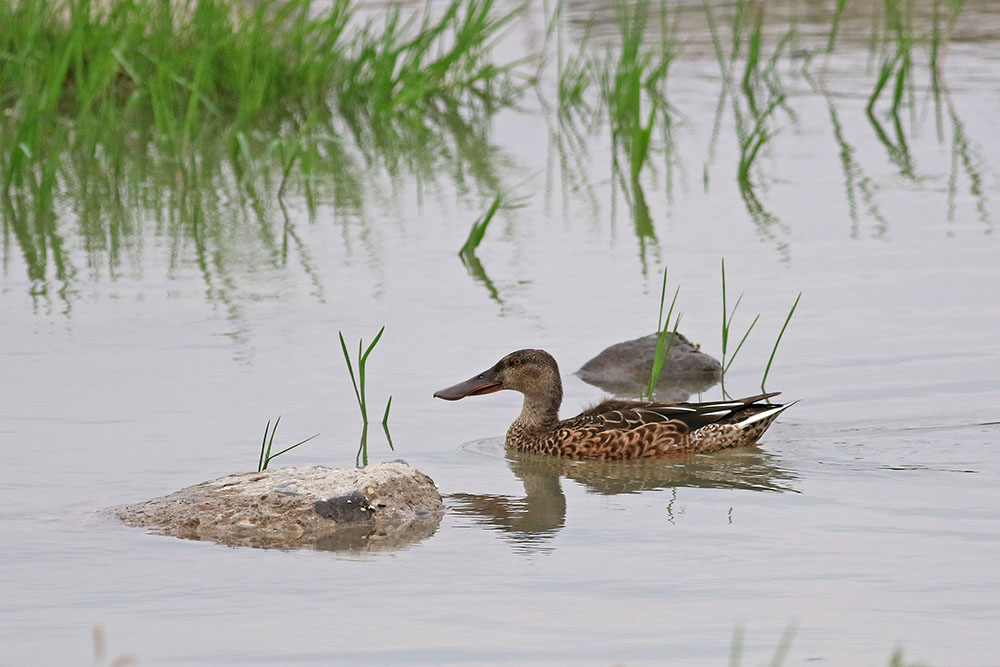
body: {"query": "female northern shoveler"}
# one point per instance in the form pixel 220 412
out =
pixel 613 430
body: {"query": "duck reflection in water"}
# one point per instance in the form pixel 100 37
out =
pixel 541 512
pixel 618 446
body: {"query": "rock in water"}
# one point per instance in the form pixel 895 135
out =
pixel 624 368
pixel 384 506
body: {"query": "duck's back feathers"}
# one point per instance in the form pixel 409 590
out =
pixel 622 430
pixel 628 415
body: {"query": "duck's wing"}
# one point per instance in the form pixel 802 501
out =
pixel 628 415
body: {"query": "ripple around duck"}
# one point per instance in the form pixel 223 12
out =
pixel 490 448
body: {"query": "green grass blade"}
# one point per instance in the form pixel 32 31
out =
pixel 663 294
pixel 300 442
pixel 361 382
pixel 270 442
pixel 362 458
pixel 362 365
pixel 350 369
pixel 742 340
pixel 885 72
pixel 662 354
pixel 479 228
pixel 838 14
pixel 263 444
pixel 662 349
pixel 729 324
pixel 388 437
pixel 385 417
pixel 371 347
pixel 358 381
pixel 725 312
pixel 782 333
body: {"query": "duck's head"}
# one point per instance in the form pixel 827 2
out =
pixel 534 373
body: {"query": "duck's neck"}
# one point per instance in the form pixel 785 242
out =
pixel 541 407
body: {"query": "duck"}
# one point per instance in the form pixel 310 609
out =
pixel 614 429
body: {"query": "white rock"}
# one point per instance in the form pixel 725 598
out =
pixel 384 506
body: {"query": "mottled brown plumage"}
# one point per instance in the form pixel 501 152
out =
pixel 614 429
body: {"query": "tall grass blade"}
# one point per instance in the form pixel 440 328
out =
pixel 350 369
pixel 725 312
pixel 263 445
pixel 662 354
pixel 782 333
pixel 662 345
pixel 270 442
pixel 742 340
pixel 362 361
pixel 727 324
pixel 663 295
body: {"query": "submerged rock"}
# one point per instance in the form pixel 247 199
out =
pixel 384 506
pixel 624 368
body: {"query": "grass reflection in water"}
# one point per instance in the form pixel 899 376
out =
pixel 190 122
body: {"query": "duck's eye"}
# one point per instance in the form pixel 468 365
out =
pixel 516 362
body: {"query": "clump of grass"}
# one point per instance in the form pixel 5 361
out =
pixel 359 392
pixel 268 441
pixel 727 323
pixel 359 380
pixel 668 335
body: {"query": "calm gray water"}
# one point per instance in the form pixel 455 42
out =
pixel 868 521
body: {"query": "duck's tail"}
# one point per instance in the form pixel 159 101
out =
pixel 743 433
pixel 753 427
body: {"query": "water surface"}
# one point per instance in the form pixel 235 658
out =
pixel 867 521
